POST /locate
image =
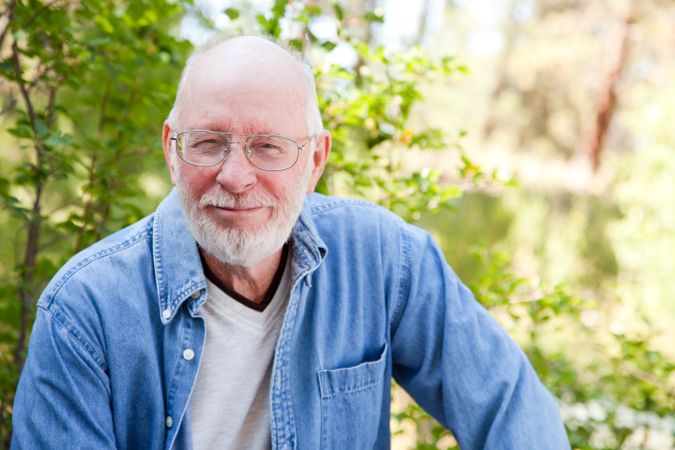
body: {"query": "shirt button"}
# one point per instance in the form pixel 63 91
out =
pixel 196 294
pixel 188 354
pixel 166 313
pixel 169 421
pixel 286 447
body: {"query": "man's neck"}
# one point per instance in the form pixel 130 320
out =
pixel 250 282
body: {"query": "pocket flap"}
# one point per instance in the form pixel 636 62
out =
pixel 352 379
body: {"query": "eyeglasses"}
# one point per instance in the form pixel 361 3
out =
pixel 206 148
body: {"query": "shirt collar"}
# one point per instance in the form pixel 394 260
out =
pixel 178 270
pixel 308 247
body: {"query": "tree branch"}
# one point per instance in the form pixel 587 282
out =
pixel 22 87
pixel 26 290
pixel 9 12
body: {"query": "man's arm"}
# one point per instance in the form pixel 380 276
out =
pixel 461 366
pixel 63 397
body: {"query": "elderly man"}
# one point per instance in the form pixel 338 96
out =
pixel 246 314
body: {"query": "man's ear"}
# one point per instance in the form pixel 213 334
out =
pixel 319 159
pixel 168 149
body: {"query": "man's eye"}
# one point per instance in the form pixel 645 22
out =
pixel 207 142
pixel 208 145
pixel 267 147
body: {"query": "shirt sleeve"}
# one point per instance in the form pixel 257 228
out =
pixel 461 366
pixel 63 397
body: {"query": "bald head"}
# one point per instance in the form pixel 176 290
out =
pixel 258 70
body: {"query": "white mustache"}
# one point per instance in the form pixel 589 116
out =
pixel 228 200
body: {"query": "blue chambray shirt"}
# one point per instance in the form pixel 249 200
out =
pixel 118 338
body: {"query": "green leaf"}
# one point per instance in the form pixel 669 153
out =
pixel 232 13
pixel 21 131
pixel 328 46
pixel 20 34
pixel 41 128
pixel 279 8
pixel 296 44
pixel 57 140
pixel 105 24
pixel 339 11
pixel 374 16
pixel 6 67
pixel 262 20
pixel 312 10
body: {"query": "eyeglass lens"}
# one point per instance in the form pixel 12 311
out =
pixel 206 148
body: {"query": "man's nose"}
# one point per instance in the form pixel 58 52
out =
pixel 236 173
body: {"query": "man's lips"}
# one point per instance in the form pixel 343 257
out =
pixel 239 208
pixel 230 212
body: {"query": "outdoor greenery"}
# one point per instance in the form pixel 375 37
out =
pixel 576 275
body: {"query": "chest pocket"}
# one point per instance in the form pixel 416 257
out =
pixel 351 404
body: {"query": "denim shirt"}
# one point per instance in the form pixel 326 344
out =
pixel 118 338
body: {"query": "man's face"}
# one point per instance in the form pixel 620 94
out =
pixel 238 213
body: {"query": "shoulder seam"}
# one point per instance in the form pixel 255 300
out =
pixel 145 234
pixel 76 335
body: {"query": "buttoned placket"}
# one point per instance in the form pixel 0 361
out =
pixel 283 421
pixel 190 346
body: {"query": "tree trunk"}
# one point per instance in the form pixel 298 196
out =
pixel 27 279
pixel 606 98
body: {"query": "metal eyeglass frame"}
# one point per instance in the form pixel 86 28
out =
pixel 245 147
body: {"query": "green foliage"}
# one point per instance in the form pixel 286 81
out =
pixel 367 108
pixel 430 435
pixel 612 383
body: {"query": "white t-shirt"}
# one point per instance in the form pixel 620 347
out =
pixel 230 401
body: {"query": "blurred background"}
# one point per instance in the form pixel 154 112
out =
pixel 534 138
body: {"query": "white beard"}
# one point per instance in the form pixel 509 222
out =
pixel 239 247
